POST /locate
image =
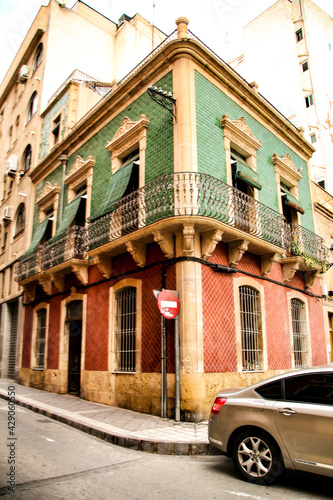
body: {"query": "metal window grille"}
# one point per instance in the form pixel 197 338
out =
pixel 299 332
pixel 126 329
pixel 40 339
pixel 250 328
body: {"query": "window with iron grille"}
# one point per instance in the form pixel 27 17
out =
pixel 250 314
pixel 40 339
pixel 126 329
pixel 299 332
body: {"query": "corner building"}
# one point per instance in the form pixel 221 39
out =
pixel 182 178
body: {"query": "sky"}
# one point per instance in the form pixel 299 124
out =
pixel 217 23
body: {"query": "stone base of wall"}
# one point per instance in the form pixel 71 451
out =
pixel 141 392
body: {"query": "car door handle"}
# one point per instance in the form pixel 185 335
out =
pixel 286 411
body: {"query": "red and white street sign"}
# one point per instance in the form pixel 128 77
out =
pixel 168 304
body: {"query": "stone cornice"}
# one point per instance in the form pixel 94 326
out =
pixel 79 168
pixel 151 70
pixel 286 167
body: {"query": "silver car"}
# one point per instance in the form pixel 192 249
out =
pixel 282 422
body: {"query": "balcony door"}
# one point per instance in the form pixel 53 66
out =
pixel 128 205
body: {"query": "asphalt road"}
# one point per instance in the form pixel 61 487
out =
pixel 54 461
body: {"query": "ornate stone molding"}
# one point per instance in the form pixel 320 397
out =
pixel 127 136
pixel 138 252
pixel 48 196
pixel 188 239
pixel 79 171
pixel 286 168
pixel 267 263
pixel 290 266
pixel 239 132
pixel 30 291
pixel 46 284
pixel 209 240
pixel 310 277
pixel 80 270
pixel 236 251
pixel 59 281
pixel 104 263
pixel 166 243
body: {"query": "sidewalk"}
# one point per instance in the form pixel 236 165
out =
pixel 127 428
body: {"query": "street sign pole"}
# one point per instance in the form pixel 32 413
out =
pixel 163 369
pixel 177 371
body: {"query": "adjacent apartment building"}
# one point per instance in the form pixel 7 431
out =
pixel 182 178
pixel 59 43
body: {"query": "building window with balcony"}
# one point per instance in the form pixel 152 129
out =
pixel 299 330
pixel 32 107
pixel 38 57
pixel 20 220
pixel 125 302
pixel 250 322
pixel 40 334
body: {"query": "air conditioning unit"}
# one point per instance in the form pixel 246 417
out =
pixel 7 214
pixel 11 165
pixel 23 73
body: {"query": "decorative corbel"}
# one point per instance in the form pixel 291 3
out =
pixel 290 266
pixel 46 283
pixel 30 291
pixel 81 272
pixel 236 251
pixel 104 264
pixel 209 240
pixel 267 262
pixel 188 239
pixel 138 252
pixel 59 281
pixel 165 241
pixel 310 277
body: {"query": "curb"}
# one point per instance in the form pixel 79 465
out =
pixel 157 447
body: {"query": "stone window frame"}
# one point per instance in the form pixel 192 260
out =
pixel 250 282
pixel 286 173
pixel 20 220
pixel 129 282
pixel 298 295
pixel 79 175
pixel 46 306
pixel 130 136
pixel 238 136
pixel 49 200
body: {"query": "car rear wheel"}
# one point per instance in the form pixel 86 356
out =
pixel 256 457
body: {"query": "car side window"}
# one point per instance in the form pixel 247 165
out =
pixel 272 390
pixel 316 388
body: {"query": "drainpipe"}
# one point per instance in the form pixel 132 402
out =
pixel 63 158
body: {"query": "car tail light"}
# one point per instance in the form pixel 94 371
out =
pixel 218 403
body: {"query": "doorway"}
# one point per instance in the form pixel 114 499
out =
pixel 74 328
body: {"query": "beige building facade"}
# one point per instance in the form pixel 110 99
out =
pixel 39 105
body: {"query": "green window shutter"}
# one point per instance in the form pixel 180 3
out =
pixel 117 187
pixel 246 174
pixel 38 235
pixel 290 200
pixel 68 216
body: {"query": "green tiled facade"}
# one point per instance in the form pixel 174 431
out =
pixel 211 105
pixel 48 123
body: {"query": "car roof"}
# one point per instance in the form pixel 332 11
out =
pixel 291 373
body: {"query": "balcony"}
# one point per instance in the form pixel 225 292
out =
pixel 193 195
pixel 51 261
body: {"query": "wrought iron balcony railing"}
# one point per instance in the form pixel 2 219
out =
pixel 189 194
pixel 307 244
pixel 49 255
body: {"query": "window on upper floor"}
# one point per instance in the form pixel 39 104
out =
pixel 32 107
pixel 313 138
pixel 38 57
pixel 56 130
pixel 10 137
pixel 305 66
pixel 309 100
pixel 299 35
pixel 26 159
pixel 20 219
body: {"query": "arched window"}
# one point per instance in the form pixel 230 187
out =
pixel 33 105
pixel 20 219
pixel 26 161
pixel 38 57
